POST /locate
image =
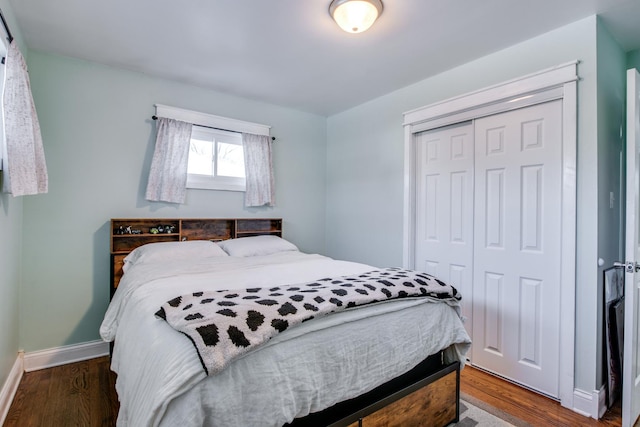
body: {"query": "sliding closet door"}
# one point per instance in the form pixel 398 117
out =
pixel 517 232
pixel 444 208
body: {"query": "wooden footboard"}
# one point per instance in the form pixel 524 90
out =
pixel 430 402
pixel 428 395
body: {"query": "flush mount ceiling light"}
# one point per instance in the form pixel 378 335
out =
pixel 355 16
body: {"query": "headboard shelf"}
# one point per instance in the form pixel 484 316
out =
pixel 129 233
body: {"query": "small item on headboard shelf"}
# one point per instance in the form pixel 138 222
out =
pixel 126 230
pixel 165 229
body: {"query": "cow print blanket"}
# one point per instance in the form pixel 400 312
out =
pixel 225 324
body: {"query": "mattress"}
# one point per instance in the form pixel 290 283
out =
pixel 161 381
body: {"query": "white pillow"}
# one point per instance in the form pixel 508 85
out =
pixel 172 251
pixel 256 245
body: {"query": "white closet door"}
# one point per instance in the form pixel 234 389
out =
pixel 631 368
pixel 444 208
pixel 517 230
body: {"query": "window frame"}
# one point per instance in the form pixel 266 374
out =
pixel 215 181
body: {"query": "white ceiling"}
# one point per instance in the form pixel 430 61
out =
pixel 290 52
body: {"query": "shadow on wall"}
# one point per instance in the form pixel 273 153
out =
pixel 100 287
pixel 4 197
pixel 142 202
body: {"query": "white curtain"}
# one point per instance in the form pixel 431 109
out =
pixel 258 170
pixel 26 169
pixel 168 174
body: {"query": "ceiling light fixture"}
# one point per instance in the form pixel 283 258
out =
pixel 355 16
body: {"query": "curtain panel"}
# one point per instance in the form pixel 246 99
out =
pixel 26 170
pixel 258 166
pixel 168 174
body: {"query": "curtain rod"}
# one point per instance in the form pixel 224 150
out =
pixel 273 138
pixel 6 27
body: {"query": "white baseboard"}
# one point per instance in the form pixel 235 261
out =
pixel 62 355
pixel 602 401
pixel 10 387
pixel 589 404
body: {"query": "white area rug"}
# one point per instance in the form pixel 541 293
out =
pixel 472 416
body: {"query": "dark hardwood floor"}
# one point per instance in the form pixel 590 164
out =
pixel 528 406
pixel 83 394
pixel 78 394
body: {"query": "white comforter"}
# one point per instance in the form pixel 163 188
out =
pixel 161 381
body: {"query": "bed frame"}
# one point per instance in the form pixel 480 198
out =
pixel 428 395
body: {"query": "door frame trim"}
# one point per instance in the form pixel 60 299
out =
pixel 559 82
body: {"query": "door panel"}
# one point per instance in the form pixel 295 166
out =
pixel 517 232
pixel 444 208
pixel 631 365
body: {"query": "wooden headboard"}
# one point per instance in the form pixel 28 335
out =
pixel 129 233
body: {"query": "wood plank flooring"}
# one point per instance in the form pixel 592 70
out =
pixel 528 406
pixel 83 394
pixel 79 394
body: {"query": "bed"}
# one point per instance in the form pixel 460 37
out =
pixel 392 362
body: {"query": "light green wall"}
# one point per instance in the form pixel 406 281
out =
pixel 365 165
pixel 633 59
pixel 10 247
pixel 98 139
pixel 611 124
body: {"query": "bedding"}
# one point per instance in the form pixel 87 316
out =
pixel 162 252
pixel 225 324
pixel 256 246
pixel 299 371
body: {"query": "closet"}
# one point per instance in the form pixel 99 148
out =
pixel 488 220
pixel 490 207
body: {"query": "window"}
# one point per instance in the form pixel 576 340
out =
pixel 216 160
pixel 216 157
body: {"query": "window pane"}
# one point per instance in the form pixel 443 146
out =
pixel 200 157
pixel 230 160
